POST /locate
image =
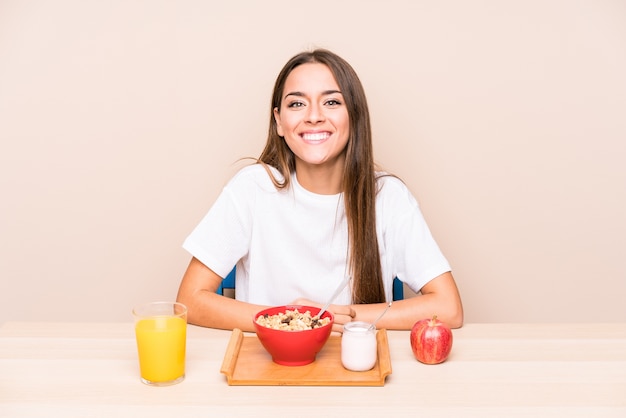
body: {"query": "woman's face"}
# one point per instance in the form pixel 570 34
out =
pixel 313 118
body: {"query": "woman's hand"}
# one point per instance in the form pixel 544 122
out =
pixel 343 313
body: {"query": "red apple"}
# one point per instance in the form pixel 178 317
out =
pixel 431 341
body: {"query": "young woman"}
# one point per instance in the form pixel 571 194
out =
pixel 314 210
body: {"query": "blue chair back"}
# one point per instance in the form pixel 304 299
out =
pixel 398 289
pixel 229 283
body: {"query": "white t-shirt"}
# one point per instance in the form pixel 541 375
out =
pixel 292 243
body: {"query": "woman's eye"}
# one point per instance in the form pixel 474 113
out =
pixel 333 102
pixel 295 104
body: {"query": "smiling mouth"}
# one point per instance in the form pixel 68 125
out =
pixel 317 136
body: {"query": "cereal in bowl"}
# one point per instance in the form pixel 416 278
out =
pixel 292 320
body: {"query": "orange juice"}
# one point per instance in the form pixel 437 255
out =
pixel 161 345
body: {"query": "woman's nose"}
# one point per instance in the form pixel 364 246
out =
pixel 315 113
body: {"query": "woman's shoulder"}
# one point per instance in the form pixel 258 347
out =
pixel 255 176
pixel 392 190
pixel 390 182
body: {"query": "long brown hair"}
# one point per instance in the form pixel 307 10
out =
pixel 359 180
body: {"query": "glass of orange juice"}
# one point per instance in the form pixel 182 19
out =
pixel 161 332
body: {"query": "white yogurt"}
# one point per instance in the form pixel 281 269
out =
pixel 358 346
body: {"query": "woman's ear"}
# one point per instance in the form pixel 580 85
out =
pixel 279 128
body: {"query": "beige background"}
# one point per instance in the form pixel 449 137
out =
pixel 121 120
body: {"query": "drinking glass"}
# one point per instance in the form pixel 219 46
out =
pixel 161 333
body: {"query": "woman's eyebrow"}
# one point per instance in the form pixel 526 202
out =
pixel 301 94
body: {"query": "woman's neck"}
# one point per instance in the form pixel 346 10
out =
pixel 320 179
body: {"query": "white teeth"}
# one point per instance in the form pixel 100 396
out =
pixel 315 136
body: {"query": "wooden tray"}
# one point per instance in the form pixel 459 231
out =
pixel 246 363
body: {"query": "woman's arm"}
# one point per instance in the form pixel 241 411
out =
pixel 208 309
pixel 438 297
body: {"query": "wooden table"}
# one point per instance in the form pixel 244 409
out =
pixel 494 370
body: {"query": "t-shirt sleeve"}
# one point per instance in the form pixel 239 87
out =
pixel 221 237
pixel 417 258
